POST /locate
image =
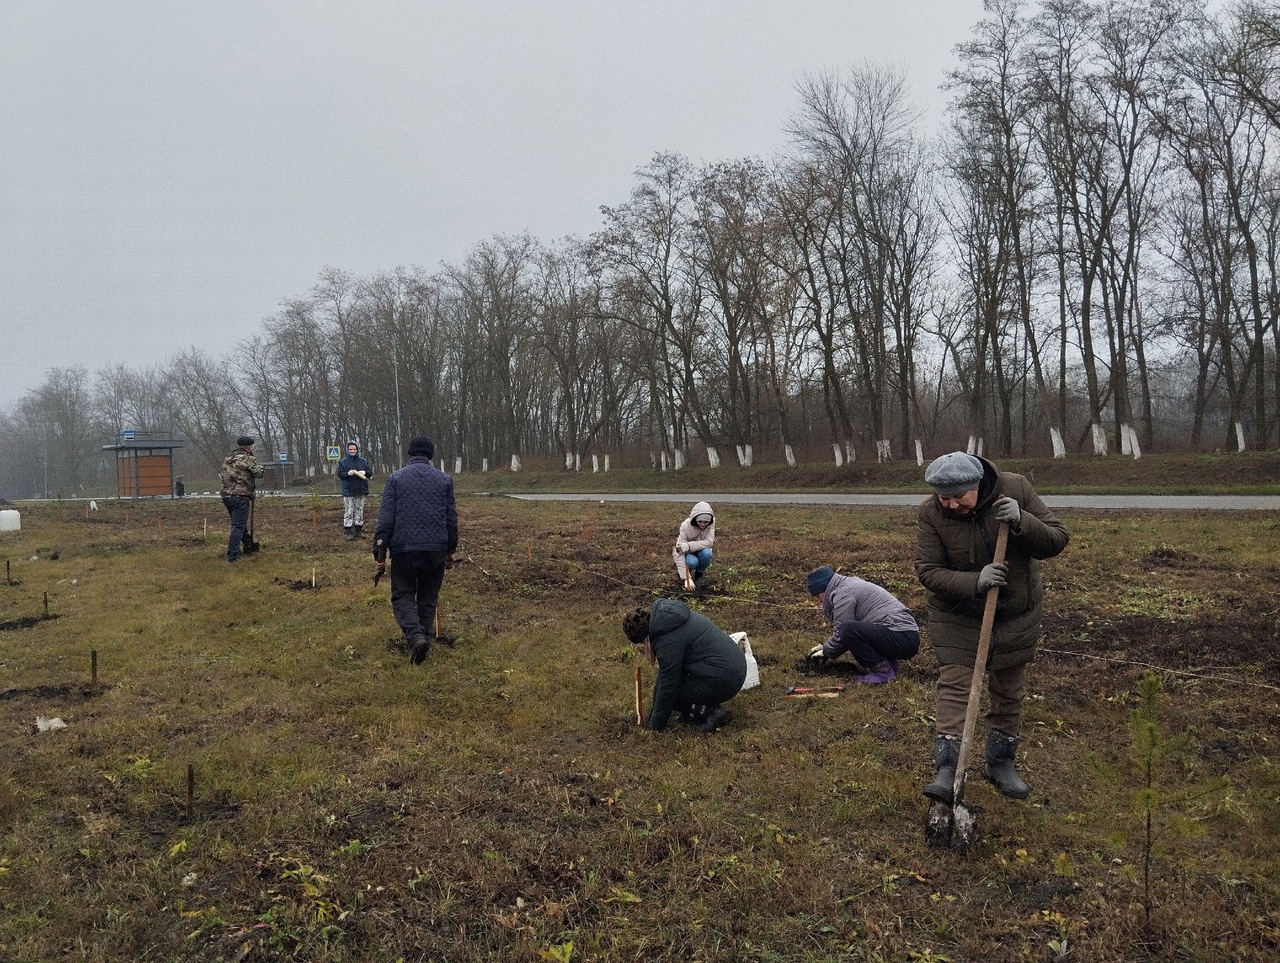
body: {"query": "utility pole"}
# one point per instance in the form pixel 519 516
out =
pixel 395 368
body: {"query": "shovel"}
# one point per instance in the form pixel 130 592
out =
pixel 956 825
pixel 253 541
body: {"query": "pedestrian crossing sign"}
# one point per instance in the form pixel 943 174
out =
pixel 334 452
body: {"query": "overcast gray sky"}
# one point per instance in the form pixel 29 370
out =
pixel 171 171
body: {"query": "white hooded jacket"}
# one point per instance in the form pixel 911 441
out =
pixel 697 538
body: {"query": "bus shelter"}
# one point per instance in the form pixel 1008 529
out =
pixel 144 463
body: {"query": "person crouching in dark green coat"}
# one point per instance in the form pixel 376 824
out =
pixel 699 666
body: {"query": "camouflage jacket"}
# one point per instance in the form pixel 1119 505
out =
pixel 240 473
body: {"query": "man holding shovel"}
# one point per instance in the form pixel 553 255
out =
pixel 956 536
pixel 418 524
pixel 239 477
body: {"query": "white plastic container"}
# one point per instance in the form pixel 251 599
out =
pixel 10 520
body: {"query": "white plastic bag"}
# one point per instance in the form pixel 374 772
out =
pixel 753 668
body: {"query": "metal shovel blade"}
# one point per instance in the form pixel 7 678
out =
pixel 964 828
pixel 938 825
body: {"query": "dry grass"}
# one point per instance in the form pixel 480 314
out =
pixel 499 802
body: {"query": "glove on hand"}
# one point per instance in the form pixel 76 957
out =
pixel 1007 510
pixel 816 654
pixel 358 474
pixel 992 575
pixel 682 547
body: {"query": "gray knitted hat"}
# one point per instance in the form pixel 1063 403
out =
pixel 953 473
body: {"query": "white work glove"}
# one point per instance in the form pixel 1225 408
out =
pixel 682 548
pixel 816 654
pixel 993 574
pixel 1007 510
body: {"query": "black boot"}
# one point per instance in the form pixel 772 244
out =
pixel 348 534
pixel 1001 750
pixel 946 753
pixel 359 530
pixel 419 649
pixel 717 716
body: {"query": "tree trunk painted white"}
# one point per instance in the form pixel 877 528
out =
pixel 1239 436
pixel 664 459
pixel 972 447
pixel 1135 448
pixel 653 461
pixel 515 462
pixel 839 455
pixel 849 453
pixel 789 455
pixel 919 454
pixel 1059 449
pixel 884 451
pixel 982 445
pixel 484 464
pixel 1124 439
pixel 457 465
pixel 1099 439
pixel 678 461
pixel 568 461
pixel 606 462
pixel 713 457
pixel 751 456
pixel 595 464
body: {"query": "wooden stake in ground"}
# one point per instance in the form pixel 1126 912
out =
pixel 93 666
pixel 639 700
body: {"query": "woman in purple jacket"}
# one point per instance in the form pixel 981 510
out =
pixel 867 621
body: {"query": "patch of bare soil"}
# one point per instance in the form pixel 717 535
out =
pixel 1244 638
pixel 25 622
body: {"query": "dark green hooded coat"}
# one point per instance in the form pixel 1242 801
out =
pixel 698 664
pixel 952 549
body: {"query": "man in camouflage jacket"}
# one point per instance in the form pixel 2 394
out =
pixel 239 475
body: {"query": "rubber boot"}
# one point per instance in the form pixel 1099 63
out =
pixel 1001 750
pixel 359 530
pixel 946 753
pixel 348 534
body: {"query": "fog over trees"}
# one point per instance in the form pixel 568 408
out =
pixel 1083 261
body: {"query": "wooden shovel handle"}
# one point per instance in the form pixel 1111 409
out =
pixel 639 700
pixel 979 669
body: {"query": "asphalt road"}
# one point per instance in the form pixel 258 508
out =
pixel 1163 503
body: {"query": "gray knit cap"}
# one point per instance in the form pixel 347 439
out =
pixel 954 473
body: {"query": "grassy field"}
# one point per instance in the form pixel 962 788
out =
pixel 499 801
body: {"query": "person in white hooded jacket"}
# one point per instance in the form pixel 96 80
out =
pixel 693 549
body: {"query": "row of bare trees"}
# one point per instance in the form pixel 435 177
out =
pixel 1085 260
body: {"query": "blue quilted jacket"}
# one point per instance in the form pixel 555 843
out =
pixel 417 513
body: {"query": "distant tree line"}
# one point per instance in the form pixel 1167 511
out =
pixel 1084 261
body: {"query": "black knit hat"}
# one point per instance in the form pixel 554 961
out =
pixel 818 580
pixel 244 441
pixel 635 625
pixel 423 446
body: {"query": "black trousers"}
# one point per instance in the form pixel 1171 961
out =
pixel 416 578
pixel 871 643
pixel 238 508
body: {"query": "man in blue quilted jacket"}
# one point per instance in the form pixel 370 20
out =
pixel 418 524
